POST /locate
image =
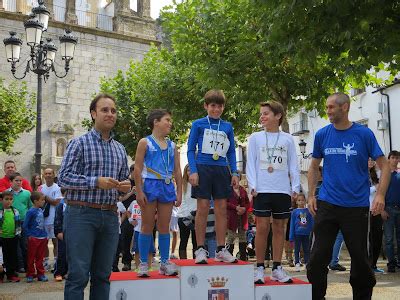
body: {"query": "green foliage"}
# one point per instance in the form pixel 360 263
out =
pixel 16 113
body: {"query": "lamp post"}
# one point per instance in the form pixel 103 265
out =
pixel 41 61
pixel 302 146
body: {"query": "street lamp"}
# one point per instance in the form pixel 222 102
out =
pixel 302 146
pixel 41 60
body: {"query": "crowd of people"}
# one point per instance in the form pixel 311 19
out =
pixel 98 210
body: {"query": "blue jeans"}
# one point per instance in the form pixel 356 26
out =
pixel 91 237
pixel 390 226
pixel 211 245
pixel 337 247
pixel 304 242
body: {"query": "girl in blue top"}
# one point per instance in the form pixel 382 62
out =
pixel 155 168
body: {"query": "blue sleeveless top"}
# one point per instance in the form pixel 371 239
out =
pixel 156 160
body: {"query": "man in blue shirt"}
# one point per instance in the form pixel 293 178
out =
pixel 343 200
pixel 391 214
pixel 93 172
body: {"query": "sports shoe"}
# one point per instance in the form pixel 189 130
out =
pixel 377 270
pixel 297 267
pixel 29 279
pixel 126 267
pixel 168 269
pixel 172 256
pixel 280 275
pixel 201 256
pixel 259 275
pixel 58 278
pixel 225 256
pixel 249 246
pixel 143 270
pixel 42 278
pixel 337 267
pixel 13 279
pixel 21 270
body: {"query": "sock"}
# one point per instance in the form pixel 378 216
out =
pixel 275 265
pixel 219 248
pixel 260 265
pixel 144 246
pixel 163 245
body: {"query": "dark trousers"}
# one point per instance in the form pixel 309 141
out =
pixel 353 222
pixel 301 241
pixel 22 249
pixel 61 266
pixel 119 249
pixel 375 238
pixel 10 258
pixel 184 234
pixel 126 238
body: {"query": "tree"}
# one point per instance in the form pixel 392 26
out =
pixel 16 113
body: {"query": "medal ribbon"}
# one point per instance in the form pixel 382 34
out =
pixel 273 149
pixel 215 145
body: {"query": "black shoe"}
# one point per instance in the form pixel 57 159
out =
pixel 337 267
pixel 115 269
pixel 126 267
pixel 21 270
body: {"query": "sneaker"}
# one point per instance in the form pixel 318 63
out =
pixel 259 275
pixel 143 270
pixel 115 269
pixel 173 257
pixel 201 256
pixel 337 267
pixel 42 278
pixel 297 267
pixel 249 246
pixel 29 279
pixel 126 267
pixel 378 271
pixel 168 269
pixel 58 278
pixel 13 279
pixel 225 256
pixel 279 274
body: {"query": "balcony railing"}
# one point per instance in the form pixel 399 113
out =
pixel 300 127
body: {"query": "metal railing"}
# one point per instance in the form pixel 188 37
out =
pixel 301 126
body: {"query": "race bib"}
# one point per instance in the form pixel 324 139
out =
pixel 136 212
pixel 215 142
pixel 278 159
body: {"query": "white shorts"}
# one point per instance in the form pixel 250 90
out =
pixel 173 224
pixel 50 231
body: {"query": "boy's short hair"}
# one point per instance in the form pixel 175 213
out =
pixel 35 196
pixel 215 96
pixel 393 153
pixel 275 107
pixel 14 175
pixel 6 193
pixel 156 114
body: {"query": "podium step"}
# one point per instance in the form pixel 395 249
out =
pixel 299 289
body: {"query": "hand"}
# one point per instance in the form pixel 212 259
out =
pixel 124 186
pixel 134 222
pixel 294 196
pixel 178 201
pixel 241 211
pixel 194 179
pixel 312 205
pixel 60 236
pixel 141 199
pixel 253 193
pixel 107 183
pixel 235 181
pixel 378 205
pixel 384 215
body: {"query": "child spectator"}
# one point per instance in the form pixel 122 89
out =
pixel 61 265
pixel 121 211
pixel 36 182
pixel 10 229
pixel 37 238
pixel 300 230
pixel 238 205
pixel 174 228
pixel 251 234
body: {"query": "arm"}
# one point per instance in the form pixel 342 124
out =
pixel 178 177
pixel 251 166
pixel 378 205
pixel 137 173
pixel 57 199
pixel 312 178
pixel 231 156
pixel 27 221
pixel 191 148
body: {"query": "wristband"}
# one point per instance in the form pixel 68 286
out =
pixel 235 174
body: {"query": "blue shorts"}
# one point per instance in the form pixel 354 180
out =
pixel 214 182
pixel 157 189
pixel 135 246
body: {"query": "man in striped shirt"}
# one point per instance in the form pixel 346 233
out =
pixel 94 172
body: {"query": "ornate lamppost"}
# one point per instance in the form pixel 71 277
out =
pixel 41 61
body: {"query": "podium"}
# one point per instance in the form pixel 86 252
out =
pixel 212 281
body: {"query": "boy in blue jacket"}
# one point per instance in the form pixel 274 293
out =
pixel 300 228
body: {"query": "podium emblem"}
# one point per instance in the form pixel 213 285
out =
pixel 121 295
pixel 193 280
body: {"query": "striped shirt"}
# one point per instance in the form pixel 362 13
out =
pixel 87 158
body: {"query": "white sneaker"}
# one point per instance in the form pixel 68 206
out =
pixel 249 246
pixel 168 269
pixel 259 275
pixel 297 267
pixel 201 256
pixel 225 256
pixel 280 275
pixel 143 270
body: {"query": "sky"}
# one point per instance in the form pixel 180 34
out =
pixel 156 6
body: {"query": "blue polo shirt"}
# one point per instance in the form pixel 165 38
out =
pixel 392 197
pixel 345 172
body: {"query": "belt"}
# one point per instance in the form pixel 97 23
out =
pixel 104 206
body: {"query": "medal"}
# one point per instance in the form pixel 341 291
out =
pixel 215 156
pixel 167 180
pixel 270 169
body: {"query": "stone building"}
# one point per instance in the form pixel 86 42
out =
pixel 110 34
